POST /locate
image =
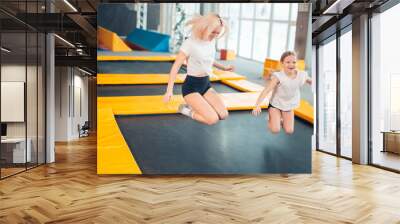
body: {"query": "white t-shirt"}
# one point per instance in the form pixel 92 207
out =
pixel 201 55
pixel 287 93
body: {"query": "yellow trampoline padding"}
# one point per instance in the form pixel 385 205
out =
pixel 111 40
pixel 130 105
pixel 222 75
pixel 305 111
pixel 136 58
pixel 131 79
pixel 242 101
pixel 113 154
pixel 136 79
pixel 244 85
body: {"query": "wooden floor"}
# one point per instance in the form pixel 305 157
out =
pixel 5 172
pixel 387 159
pixel 69 191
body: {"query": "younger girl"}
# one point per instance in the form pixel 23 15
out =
pixel 203 102
pixel 286 96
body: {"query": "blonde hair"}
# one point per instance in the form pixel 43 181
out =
pixel 202 26
pixel 287 54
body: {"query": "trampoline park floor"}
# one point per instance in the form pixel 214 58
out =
pixel 136 67
pixel 241 144
pixel 175 144
pixel 131 53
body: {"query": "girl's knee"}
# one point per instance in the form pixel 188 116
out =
pixel 212 119
pixel 274 129
pixel 289 131
pixel 223 115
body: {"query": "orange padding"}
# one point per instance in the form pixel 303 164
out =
pixel 136 57
pixel 113 154
pixel 128 105
pixel 305 111
pixel 138 79
pixel 134 105
pixel 110 40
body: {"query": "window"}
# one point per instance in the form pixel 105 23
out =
pixel 292 37
pixel 234 10
pixel 190 9
pixel 260 26
pixel 246 36
pixel 394 101
pixel 263 11
pixel 278 45
pixel 281 11
pixel 224 10
pixel 293 12
pixel 247 11
pixel 385 88
pixel 346 94
pixel 327 97
pixel 233 35
pixel 261 40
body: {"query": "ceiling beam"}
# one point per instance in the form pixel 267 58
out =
pixel 78 61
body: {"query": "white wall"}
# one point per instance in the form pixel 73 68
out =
pixel 13 73
pixel 16 73
pixel 70 83
pixel 33 127
pixel 62 81
pixel 13 100
pixel 79 117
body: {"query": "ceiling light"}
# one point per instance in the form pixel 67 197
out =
pixel 326 11
pixel 70 5
pixel 337 7
pixel 5 50
pixel 84 71
pixel 65 41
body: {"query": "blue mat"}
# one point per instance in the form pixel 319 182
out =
pixel 148 40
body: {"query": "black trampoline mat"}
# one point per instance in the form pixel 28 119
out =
pixel 144 90
pixel 175 144
pixel 136 67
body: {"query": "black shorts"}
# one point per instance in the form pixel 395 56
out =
pixel 194 84
pixel 272 106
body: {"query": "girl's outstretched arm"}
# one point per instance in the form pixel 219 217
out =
pixel 223 67
pixel 271 86
pixel 309 81
pixel 180 58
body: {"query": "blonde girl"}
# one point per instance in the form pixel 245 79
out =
pixel 203 103
pixel 286 96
